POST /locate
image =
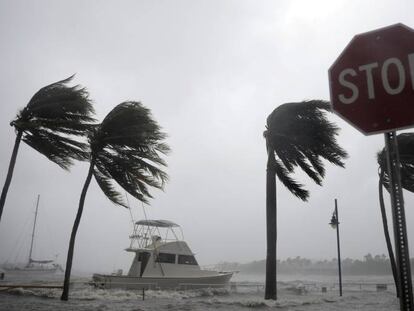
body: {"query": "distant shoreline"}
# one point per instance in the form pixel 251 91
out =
pixel 370 265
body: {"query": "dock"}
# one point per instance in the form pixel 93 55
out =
pixel 9 286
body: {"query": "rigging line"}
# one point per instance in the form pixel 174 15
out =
pixel 31 244
pixel 134 229
pixel 18 254
pixel 18 244
pixel 51 240
pixel 143 208
pixel 148 232
pixel 130 211
pixel 19 250
pixel 34 228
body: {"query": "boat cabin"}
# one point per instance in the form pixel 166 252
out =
pixel 160 250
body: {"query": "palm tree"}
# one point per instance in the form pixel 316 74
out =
pixel 48 124
pixel 297 135
pixel 125 148
pixel 406 151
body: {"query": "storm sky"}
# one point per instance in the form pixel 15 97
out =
pixel 211 72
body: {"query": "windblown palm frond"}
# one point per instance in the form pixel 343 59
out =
pixel 52 117
pixel 300 135
pixel 406 152
pixel 126 148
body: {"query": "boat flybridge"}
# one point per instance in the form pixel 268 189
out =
pixel 162 260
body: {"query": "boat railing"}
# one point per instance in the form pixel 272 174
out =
pixel 186 286
pixel 108 283
pixel 145 236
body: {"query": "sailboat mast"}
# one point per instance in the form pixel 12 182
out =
pixel 34 227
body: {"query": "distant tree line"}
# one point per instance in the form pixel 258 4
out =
pixel 369 265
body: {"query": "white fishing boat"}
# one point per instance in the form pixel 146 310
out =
pixel 33 266
pixel 162 260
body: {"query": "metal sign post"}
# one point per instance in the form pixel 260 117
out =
pixel 339 249
pixel 400 230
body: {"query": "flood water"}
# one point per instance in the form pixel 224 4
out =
pixel 246 293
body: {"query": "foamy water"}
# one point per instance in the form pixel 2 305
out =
pixel 296 294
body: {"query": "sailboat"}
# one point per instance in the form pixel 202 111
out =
pixel 34 266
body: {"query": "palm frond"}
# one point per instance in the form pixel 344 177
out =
pixel 292 185
pixel 55 120
pixel 61 127
pixel 316 162
pixel 130 125
pixel 127 148
pixel 301 135
pixel 108 188
pixel 58 101
pixel 58 149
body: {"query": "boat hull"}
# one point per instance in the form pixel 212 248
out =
pixel 176 283
pixel 24 271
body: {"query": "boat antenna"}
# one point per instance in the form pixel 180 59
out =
pixel 129 208
pixel 143 208
pixel 134 229
pixel 34 227
pixel 130 211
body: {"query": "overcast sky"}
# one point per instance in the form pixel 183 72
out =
pixel 211 72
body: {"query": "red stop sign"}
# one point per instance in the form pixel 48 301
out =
pixel 372 81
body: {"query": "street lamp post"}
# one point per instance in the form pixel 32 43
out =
pixel 335 225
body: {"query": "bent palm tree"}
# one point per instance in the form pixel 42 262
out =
pixel 125 148
pixel 406 151
pixel 297 135
pixel 48 123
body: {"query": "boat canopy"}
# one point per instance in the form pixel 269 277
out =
pixel 150 233
pixel 157 223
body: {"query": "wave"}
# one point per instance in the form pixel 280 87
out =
pixel 255 302
pixel 247 298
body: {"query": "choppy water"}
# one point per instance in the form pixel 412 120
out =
pixel 294 293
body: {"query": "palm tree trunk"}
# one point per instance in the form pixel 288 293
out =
pixel 271 233
pixel 386 232
pixel 10 171
pixel 65 293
